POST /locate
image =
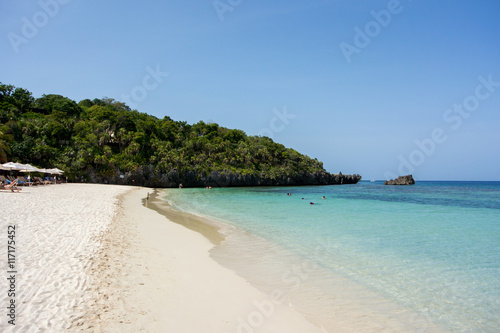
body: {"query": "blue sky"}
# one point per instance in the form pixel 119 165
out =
pixel 419 94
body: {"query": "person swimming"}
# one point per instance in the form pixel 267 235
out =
pixel 323 197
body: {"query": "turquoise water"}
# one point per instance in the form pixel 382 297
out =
pixel 433 248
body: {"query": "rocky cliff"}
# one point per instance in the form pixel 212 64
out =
pixel 146 176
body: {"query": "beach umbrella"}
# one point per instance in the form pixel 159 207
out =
pixel 55 171
pixel 30 168
pixel 58 170
pixel 11 166
pixel 3 168
pixel 14 166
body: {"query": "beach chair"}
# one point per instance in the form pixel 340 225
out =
pixel 41 181
pixel 11 187
pixel 48 180
pixel 23 181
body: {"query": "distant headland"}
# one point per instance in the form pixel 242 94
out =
pixel 104 141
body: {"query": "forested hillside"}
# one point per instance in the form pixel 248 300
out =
pixel 103 140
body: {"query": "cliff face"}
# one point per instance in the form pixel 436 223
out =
pixel 146 176
pixel 401 180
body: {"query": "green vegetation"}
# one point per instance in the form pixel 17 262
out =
pixel 102 139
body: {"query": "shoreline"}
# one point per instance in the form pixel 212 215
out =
pixel 172 283
pixel 125 264
pixel 334 302
pixel 193 222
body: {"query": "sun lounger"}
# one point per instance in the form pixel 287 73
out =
pixel 23 181
pixel 50 180
pixel 41 181
pixel 11 187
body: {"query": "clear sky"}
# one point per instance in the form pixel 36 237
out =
pixel 372 87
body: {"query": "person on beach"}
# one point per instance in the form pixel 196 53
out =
pixel 180 186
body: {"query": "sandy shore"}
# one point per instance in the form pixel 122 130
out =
pixel 58 229
pixel 92 258
pixel 173 285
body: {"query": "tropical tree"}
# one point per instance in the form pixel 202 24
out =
pixel 4 145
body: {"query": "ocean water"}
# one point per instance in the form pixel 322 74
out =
pixel 419 258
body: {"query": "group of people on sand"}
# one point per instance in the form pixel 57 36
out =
pixel 311 203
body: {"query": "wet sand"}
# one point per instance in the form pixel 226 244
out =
pixel 158 276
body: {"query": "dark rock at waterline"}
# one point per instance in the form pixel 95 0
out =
pixel 150 177
pixel 401 180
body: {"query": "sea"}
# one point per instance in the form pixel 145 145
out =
pixel 366 257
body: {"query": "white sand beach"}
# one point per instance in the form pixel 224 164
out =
pixel 91 259
pixel 174 286
pixel 58 231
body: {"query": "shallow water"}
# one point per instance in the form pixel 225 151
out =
pixel 415 258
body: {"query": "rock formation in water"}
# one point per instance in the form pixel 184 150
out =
pixel 401 180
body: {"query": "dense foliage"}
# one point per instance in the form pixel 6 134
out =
pixel 102 139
